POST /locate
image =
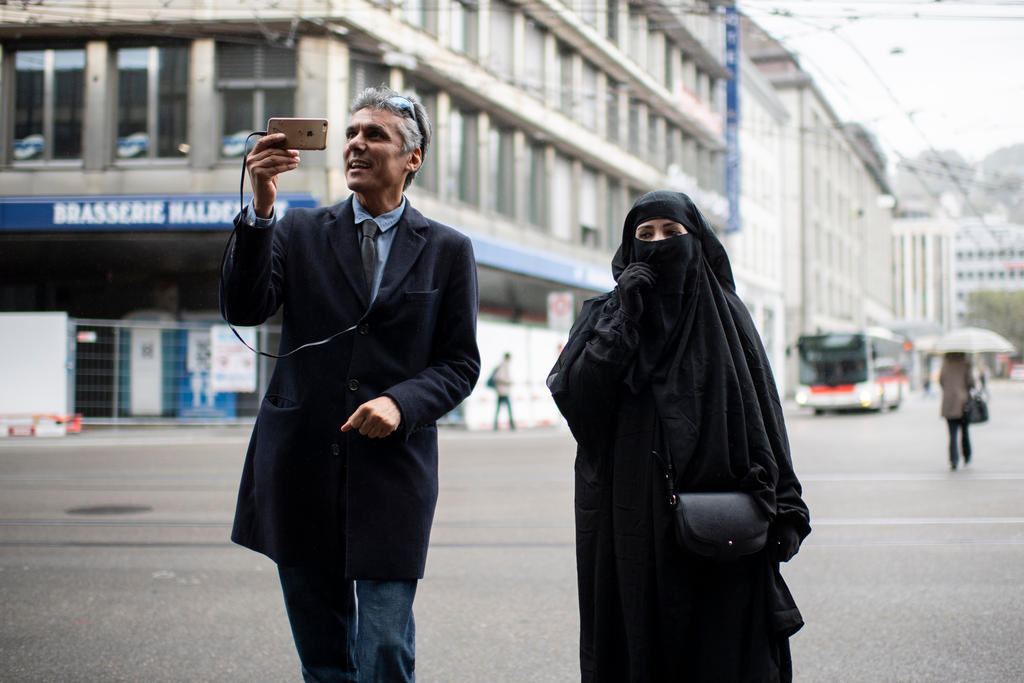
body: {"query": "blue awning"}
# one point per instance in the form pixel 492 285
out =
pixel 129 212
pixel 516 258
pixel 137 213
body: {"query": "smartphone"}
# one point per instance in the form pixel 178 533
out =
pixel 301 133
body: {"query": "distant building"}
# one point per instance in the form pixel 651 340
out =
pixel 837 255
pixel 988 256
pixel 756 251
pixel 923 270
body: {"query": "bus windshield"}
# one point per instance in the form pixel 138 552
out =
pixel 833 359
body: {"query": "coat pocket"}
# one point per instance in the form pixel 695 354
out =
pixel 279 401
pixel 420 297
pixel 282 438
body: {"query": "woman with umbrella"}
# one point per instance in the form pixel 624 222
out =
pixel 956 379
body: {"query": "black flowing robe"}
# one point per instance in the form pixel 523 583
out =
pixel 649 611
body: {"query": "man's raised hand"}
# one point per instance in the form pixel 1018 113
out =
pixel 265 162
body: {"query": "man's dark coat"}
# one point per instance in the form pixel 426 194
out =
pixel 311 494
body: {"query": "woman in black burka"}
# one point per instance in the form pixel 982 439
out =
pixel 669 365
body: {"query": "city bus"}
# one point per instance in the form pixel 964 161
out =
pixel 840 370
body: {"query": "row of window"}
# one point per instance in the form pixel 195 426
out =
pixel 1015 274
pixel 457 24
pixel 254 84
pixel 570 83
pixel 152 89
pixel 547 187
pixel 990 254
pixel 532 185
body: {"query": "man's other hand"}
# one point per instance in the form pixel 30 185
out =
pixel 266 160
pixel 375 419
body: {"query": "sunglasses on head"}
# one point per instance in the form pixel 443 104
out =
pixel 403 104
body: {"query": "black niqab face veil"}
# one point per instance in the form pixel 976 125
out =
pixel 698 351
pixel 680 208
pixel 681 272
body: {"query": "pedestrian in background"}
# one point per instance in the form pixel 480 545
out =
pixel 668 369
pixel 501 382
pixel 956 379
pixel 340 480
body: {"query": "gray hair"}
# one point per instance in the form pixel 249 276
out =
pixel 415 131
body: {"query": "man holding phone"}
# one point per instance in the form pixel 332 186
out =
pixel 340 479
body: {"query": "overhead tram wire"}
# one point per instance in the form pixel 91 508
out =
pixel 951 175
pixel 150 13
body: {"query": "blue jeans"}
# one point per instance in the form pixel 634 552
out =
pixel 354 631
pixel 965 441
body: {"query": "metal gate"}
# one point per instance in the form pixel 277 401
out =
pixel 146 371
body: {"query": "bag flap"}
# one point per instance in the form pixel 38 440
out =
pixel 718 517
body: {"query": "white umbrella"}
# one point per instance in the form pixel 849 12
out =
pixel 973 340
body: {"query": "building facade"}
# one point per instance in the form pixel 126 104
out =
pixel 756 249
pixel 922 270
pixel 837 207
pixel 988 255
pixel 549 120
pixel 122 133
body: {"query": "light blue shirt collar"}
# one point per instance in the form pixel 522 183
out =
pixel 385 221
pixel 384 240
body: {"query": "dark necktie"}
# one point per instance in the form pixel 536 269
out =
pixel 368 247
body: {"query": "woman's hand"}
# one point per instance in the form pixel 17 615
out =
pixel 784 543
pixel 636 278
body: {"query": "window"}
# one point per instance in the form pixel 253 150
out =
pixel 537 195
pixel 565 79
pixel 49 101
pixel 420 13
pixel 588 97
pixel 590 233
pixel 152 102
pixel 561 199
pixel 501 48
pixel 638 34
pixel 502 171
pixel 673 143
pixel 612 110
pixel 533 59
pixel 462 27
pixel 635 132
pixel 589 11
pixel 462 159
pixel 655 58
pixel 366 72
pixel 655 145
pixel 426 177
pixel 613 212
pixel 670 60
pixel 612 28
pixel 256 82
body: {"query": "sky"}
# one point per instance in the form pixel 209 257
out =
pixel 921 75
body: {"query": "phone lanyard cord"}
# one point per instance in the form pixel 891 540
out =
pixel 224 258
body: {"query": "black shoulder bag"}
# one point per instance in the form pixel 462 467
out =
pixel 976 409
pixel 723 526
